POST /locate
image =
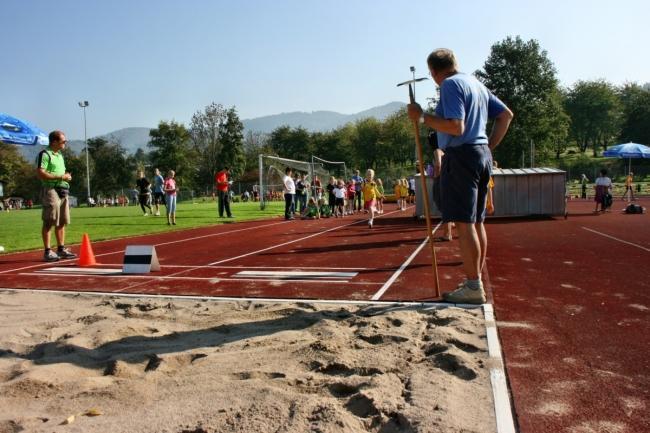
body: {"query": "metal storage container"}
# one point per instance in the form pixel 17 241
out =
pixel 517 192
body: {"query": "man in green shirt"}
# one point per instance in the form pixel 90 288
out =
pixel 54 196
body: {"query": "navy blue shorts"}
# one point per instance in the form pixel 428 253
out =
pixel 464 178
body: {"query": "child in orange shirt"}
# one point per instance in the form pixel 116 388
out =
pixel 370 195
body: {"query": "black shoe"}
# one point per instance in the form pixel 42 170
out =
pixel 66 254
pixel 51 256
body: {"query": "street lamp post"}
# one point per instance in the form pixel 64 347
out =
pixel 84 104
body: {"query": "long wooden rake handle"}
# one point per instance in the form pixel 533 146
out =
pixel 425 194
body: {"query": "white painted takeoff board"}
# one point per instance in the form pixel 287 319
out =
pixel 140 259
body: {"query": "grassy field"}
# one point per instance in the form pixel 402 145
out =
pixel 21 230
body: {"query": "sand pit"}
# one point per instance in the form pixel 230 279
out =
pixel 111 364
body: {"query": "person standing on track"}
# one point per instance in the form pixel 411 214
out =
pixel 289 189
pixel 144 193
pixel 158 193
pixel 55 189
pixel 603 189
pixel 629 186
pixel 358 184
pixel 223 182
pixel 460 120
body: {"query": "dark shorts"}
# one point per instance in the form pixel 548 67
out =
pixel 411 192
pixel 158 198
pixel 339 201
pixel 464 178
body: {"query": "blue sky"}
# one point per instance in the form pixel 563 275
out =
pixel 139 62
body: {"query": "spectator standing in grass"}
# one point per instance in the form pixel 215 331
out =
pixel 55 181
pixel 170 197
pixel 144 193
pixel 158 193
pixel 289 189
pixel 460 119
pixel 629 186
pixel 223 183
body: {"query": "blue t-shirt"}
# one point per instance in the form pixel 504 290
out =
pixel 358 180
pixel 158 183
pixel 464 97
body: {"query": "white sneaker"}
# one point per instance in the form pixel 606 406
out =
pixel 157 213
pixel 465 295
pixel 145 214
pixel 370 223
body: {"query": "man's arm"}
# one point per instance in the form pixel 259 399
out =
pixel 46 175
pixel 448 126
pixel 500 127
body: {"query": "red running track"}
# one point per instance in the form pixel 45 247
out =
pixel 572 300
pixel 571 296
pixel 211 261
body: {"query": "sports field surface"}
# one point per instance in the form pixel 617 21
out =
pixel 571 296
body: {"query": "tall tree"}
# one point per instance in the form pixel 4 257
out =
pixel 173 150
pixel 205 131
pixel 232 140
pixel 521 75
pixel 636 113
pixel 595 111
pixel 292 143
pixel 111 172
pixel 12 164
pixel 367 142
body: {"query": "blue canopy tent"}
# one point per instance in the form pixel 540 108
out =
pixel 628 150
pixel 17 131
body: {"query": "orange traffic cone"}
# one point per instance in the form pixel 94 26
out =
pixel 86 255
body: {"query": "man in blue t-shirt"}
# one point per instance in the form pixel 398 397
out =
pixel 158 194
pixel 460 120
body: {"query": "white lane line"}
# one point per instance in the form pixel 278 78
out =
pixel 157 245
pixel 284 243
pixel 502 408
pixel 214 279
pixel 617 239
pixel 295 274
pixel 398 272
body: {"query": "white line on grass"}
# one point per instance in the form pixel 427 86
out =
pixel 398 272
pixel 617 239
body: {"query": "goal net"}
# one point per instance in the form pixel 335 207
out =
pixel 272 170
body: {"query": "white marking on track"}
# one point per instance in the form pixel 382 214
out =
pixel 617 239
pixel 399 271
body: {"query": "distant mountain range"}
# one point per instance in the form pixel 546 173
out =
pixel 137 137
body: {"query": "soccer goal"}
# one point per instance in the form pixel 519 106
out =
pixel 272 170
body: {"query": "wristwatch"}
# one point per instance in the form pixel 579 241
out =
pixel 422 118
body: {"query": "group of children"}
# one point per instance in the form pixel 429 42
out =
pixel 341 199
pixel 402 193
